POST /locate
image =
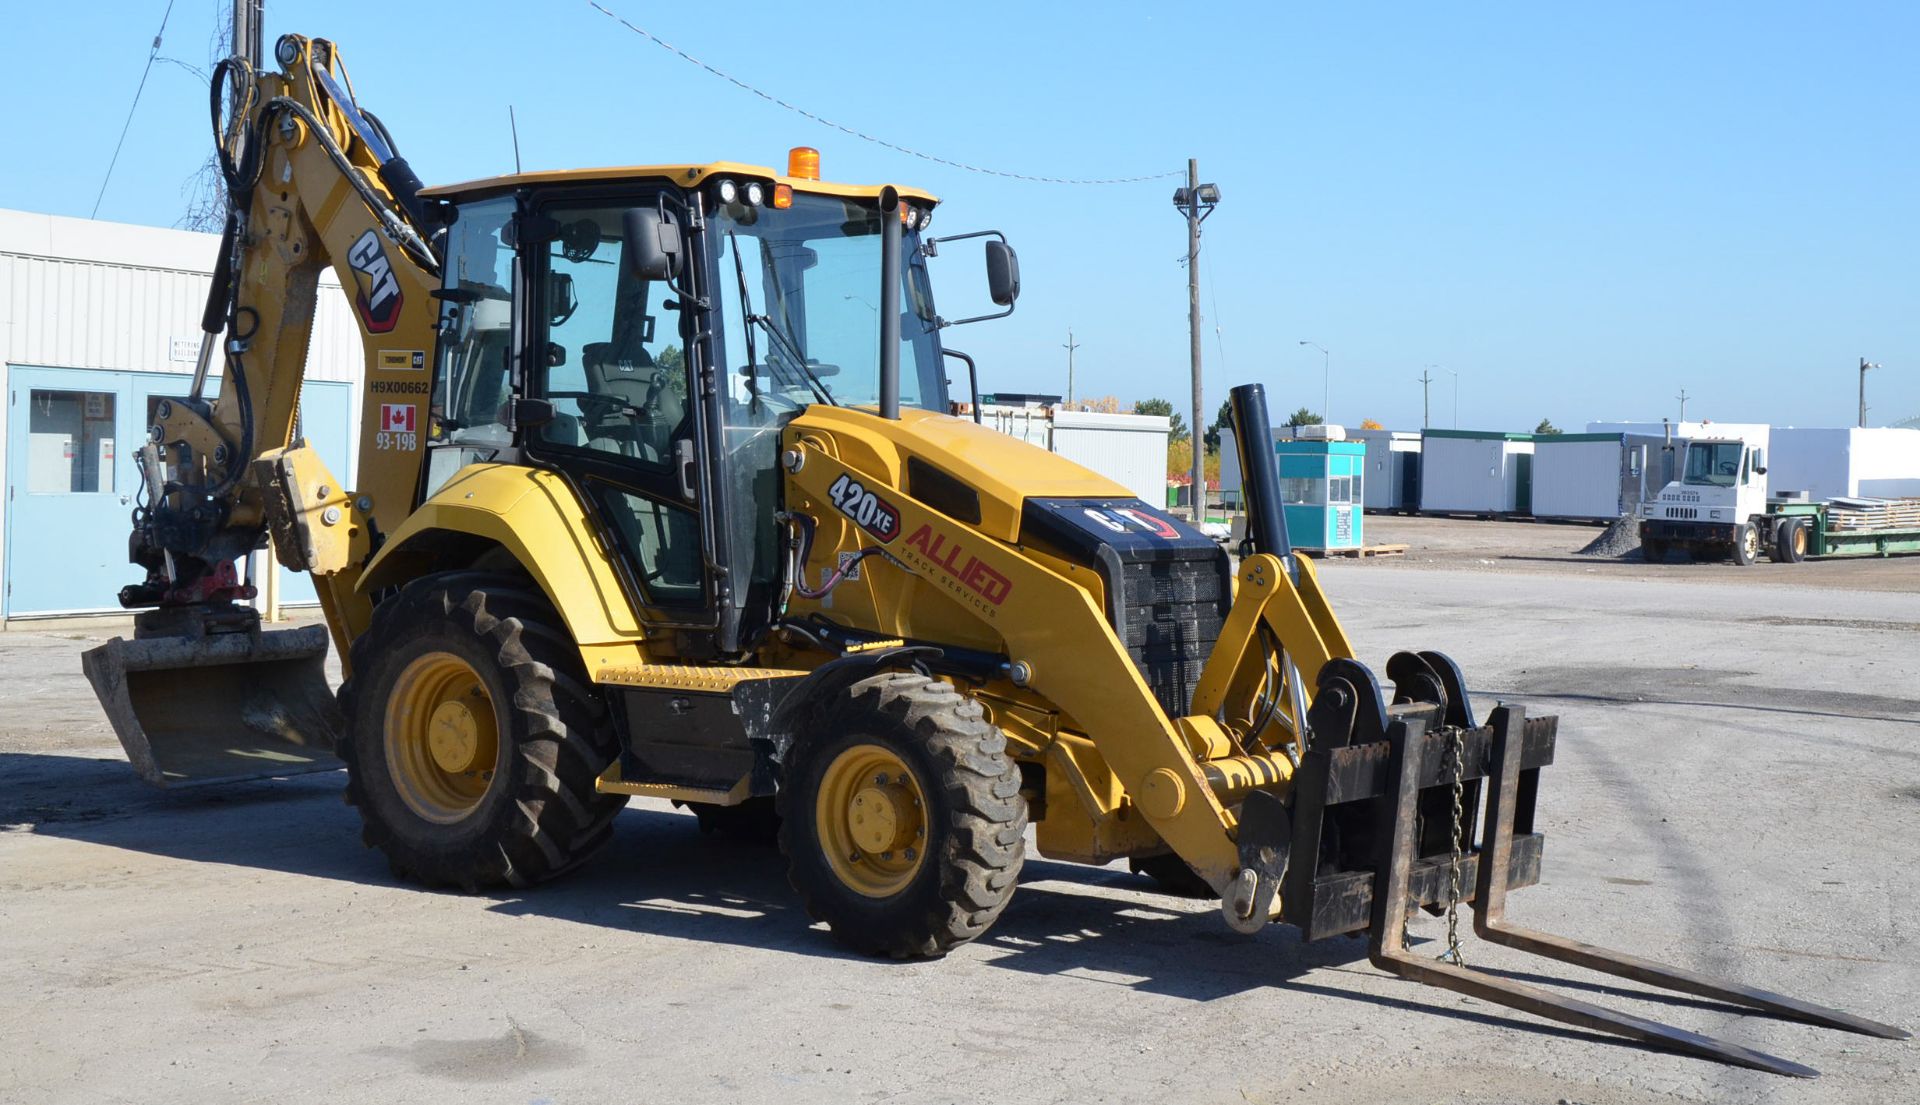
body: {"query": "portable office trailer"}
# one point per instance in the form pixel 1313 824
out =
pixel 1476 472
pixel 1393 468
pixel 1130 449
pixel 1851 462
pixel 1322 492
pixel 1597 477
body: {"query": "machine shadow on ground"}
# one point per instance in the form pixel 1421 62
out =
pixel 661 877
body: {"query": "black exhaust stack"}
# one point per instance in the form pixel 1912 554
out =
pixel 1259 474
pixel 889 303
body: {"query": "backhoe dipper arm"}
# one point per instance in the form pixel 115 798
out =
pixel 312 181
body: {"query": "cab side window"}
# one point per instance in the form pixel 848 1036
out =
pixel 614 368
pixel 467 421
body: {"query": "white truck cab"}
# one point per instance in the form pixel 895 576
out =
pixel 1717 508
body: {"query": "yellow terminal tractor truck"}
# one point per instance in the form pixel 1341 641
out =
pixel 659 493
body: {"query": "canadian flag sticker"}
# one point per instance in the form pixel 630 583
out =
pixel 396 418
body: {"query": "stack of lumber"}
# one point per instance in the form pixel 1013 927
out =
pixel 1849 515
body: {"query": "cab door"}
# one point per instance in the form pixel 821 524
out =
pixel 605 349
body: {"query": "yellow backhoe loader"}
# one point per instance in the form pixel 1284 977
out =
pixel 660 493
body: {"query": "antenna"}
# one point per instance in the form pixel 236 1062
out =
pixel 514 125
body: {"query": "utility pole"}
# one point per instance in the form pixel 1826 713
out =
pixel 1426 398
pixel 1456 397
pixel 1864 365
pixel 1070 347
pixel 1196 201
pixel 1683 404
pixel 247 16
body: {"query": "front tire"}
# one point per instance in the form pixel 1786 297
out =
pixel 1746 544
pixel 901 817
pixel 473 736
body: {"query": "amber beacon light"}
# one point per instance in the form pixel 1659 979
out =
pixel 803 162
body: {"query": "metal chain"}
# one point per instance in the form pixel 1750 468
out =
pixel 1455 743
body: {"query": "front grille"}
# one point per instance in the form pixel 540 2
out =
pixel 1167 583
pixel 1170 616
pixel 1683 512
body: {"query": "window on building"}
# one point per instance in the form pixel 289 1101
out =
pixel 70 442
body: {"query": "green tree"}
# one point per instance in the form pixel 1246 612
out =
pixel 1546 426
pixel 1164 408
pixel 1304 417
pixel 1221 421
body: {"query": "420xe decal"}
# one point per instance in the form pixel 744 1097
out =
pixel 869 511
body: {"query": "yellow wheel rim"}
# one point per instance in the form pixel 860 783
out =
pixel 870 817
pixel 443 741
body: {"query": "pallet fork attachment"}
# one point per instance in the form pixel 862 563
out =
pixel 1409 756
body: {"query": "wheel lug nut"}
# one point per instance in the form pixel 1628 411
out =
pixel 854 858
pixel 910 854
pixel 886 855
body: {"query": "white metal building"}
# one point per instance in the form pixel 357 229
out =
pixel 99 322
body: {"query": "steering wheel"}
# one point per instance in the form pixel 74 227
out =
pixel 611 404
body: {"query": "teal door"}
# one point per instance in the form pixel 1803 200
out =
pixel 70 486
pixel 72 481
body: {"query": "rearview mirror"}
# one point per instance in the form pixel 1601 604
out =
pixel 1759 462
pixel 1003 273
pixel 653 250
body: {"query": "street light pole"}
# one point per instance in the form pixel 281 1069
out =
pixel 1864 365
pixel 1683 404
pixel 1196 201
pixel 1456 397
pixel 1326 384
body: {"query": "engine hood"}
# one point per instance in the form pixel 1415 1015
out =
pixel 951 463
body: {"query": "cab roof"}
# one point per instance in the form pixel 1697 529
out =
pixel 686 176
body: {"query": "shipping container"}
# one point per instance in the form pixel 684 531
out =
pixel 1476 472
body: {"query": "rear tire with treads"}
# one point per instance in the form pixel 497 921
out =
pixel 523 807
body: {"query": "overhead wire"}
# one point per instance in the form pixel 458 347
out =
pixel 862 135
pixel 152 53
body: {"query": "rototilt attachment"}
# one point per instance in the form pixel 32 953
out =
pixel 206 695
pixel 1385 798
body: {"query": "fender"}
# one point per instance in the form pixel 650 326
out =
pixel 794 708
pixel 535 516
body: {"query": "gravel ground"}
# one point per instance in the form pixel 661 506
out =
pixel 1737 790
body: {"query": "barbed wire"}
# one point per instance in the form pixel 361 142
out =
pixel 862 135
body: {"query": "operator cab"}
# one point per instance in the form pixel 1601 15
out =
pixel 655 372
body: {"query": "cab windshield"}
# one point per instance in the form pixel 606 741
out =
pixel 798 295
pixel 1713 463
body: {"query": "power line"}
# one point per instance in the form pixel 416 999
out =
pixel 862 135
pixel 124 127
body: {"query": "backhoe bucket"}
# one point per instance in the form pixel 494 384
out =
pixel 220 706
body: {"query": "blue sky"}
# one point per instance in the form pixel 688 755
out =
pixel 1578 209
